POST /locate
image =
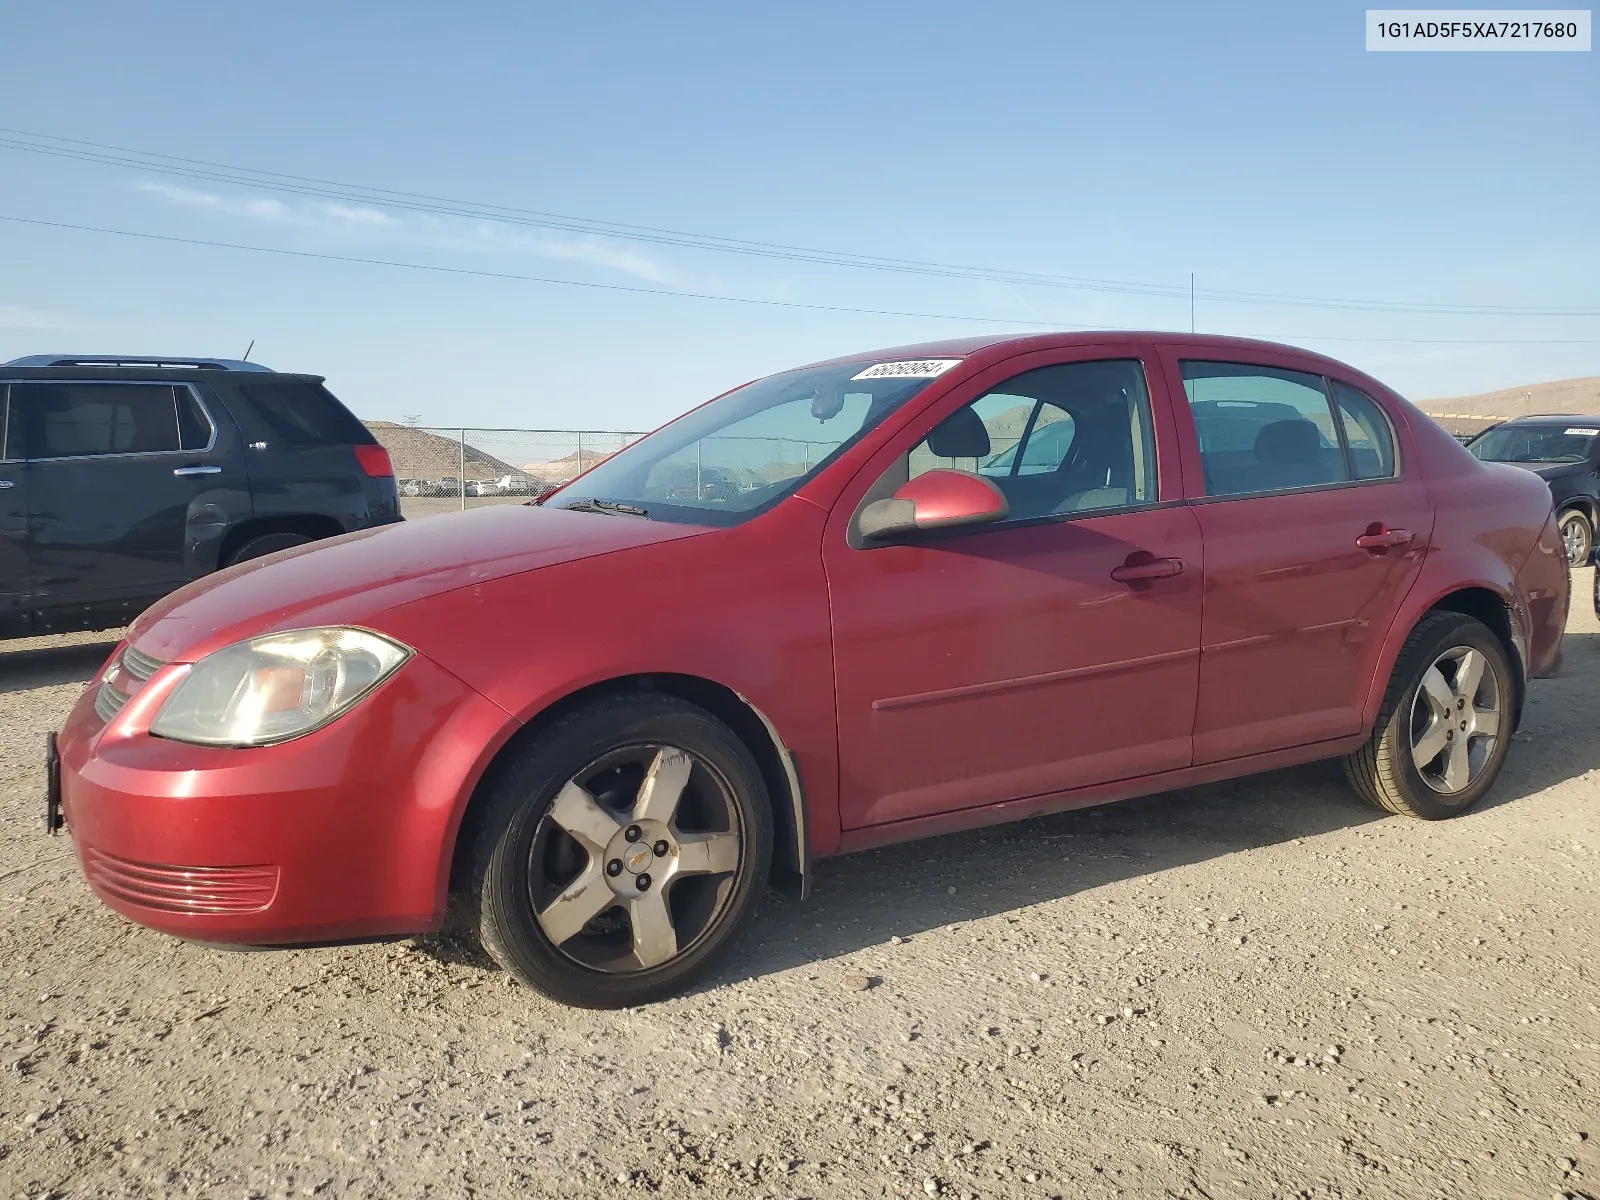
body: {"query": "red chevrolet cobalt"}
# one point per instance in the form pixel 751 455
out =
pixel 892 595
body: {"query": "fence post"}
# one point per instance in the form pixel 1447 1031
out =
pixel 580 452
pixel 462 478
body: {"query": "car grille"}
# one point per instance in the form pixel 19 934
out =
pixel 201 890
pixel 130 672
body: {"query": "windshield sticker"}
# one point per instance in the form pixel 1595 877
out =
pixel 917 368
pixel 1582 432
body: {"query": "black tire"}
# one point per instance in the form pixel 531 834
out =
pixel 266 543
pixel 519 848
pixel 1385 772
pixel 1577 537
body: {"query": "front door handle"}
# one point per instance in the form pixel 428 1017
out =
pixel 1379 537
pixel 6 483
pixel 1146 567
pixel 183 472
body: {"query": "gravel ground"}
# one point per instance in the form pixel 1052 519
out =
pixel 1254 989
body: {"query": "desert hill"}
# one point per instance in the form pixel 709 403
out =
pixel 1468 414
pixel 418 454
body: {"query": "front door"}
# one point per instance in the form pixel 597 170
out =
pixel 119 475
pixel 1020 658
pixel 1314 529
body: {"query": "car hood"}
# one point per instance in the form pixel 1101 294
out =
pixel 1556 470
pixel 354 579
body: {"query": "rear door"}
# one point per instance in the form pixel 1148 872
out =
pixel 300 452
pixel 127 488
pixel 1315 526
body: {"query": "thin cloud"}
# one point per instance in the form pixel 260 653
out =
pixel 12 317
pixel 424 230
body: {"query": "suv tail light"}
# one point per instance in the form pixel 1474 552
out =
pixel 375 462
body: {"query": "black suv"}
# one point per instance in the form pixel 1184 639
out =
pixel 122 479
pixel 1564 450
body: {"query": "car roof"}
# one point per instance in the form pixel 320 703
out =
pixel 135 367
pixel 1585 419
pixel 1003 345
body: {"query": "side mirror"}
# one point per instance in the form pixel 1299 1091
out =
pixel 934 500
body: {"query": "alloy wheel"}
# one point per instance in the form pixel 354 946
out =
pixel 1456 718
pixel 635 858
pixel 1575 539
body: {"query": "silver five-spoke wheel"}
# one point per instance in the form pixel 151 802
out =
pixel 634 859
pixel 1455 720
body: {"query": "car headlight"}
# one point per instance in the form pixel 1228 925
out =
pixel 274 688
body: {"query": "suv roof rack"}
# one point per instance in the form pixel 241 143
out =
pixel 136 360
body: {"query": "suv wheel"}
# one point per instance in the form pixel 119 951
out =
pixel 617 856
pixel 266 543
pixel 1445 725
pixel 1577 536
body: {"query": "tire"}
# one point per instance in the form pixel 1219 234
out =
pixel 1577 537
pixel 266 543
pixel 1427 682
pixel 625 811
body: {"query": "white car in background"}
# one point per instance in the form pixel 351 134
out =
pixel 515 485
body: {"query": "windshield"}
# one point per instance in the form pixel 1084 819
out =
pixel 729 460
pixel 1536 443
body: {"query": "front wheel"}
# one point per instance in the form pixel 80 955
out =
pixel 1445 725
pixel 617 856
pixel 1577 538
pixel 264 544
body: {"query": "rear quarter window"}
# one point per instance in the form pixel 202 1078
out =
pixel 304 414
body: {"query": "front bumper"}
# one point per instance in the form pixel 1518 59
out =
pixel 344 833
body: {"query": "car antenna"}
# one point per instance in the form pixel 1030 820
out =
pixel 247 350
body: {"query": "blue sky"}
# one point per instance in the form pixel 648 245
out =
pixel 1258 146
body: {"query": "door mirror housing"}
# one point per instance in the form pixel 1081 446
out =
pixel 933 500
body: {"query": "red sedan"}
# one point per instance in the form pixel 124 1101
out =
pixel 891 595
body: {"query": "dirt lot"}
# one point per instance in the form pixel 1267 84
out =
pixel 1250 990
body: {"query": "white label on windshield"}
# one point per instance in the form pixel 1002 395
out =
pixel 916 368
pixel 1577 432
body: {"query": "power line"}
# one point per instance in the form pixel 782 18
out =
pixel 751 300
pixel 120 156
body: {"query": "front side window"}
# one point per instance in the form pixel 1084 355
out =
pixel 73 420
pixel 1262 429
pixel 728 460
pixel 1537 443
pixel 1061 440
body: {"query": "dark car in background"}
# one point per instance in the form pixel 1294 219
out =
pixel 1564 450
pixel 122 479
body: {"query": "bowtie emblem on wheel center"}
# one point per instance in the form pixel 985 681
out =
pixel 638 858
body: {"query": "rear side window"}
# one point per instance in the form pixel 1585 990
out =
pixel 1366 433
pixel 304 414
pixel 1262 429
pixel 194 427
pixel 77 420
pixel 11 433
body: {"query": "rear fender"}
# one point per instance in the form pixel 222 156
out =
pixel 1444 573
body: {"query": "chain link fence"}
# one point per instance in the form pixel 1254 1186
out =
pixel 445 470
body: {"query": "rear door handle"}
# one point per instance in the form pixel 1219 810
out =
pixel 1147 568
pixel 6 483
pixel 182 472
pixel 1380 537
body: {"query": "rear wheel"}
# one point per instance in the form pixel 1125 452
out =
pixel 618 855
pixel 264 544
pixel 1577 537
pixel 1445 724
